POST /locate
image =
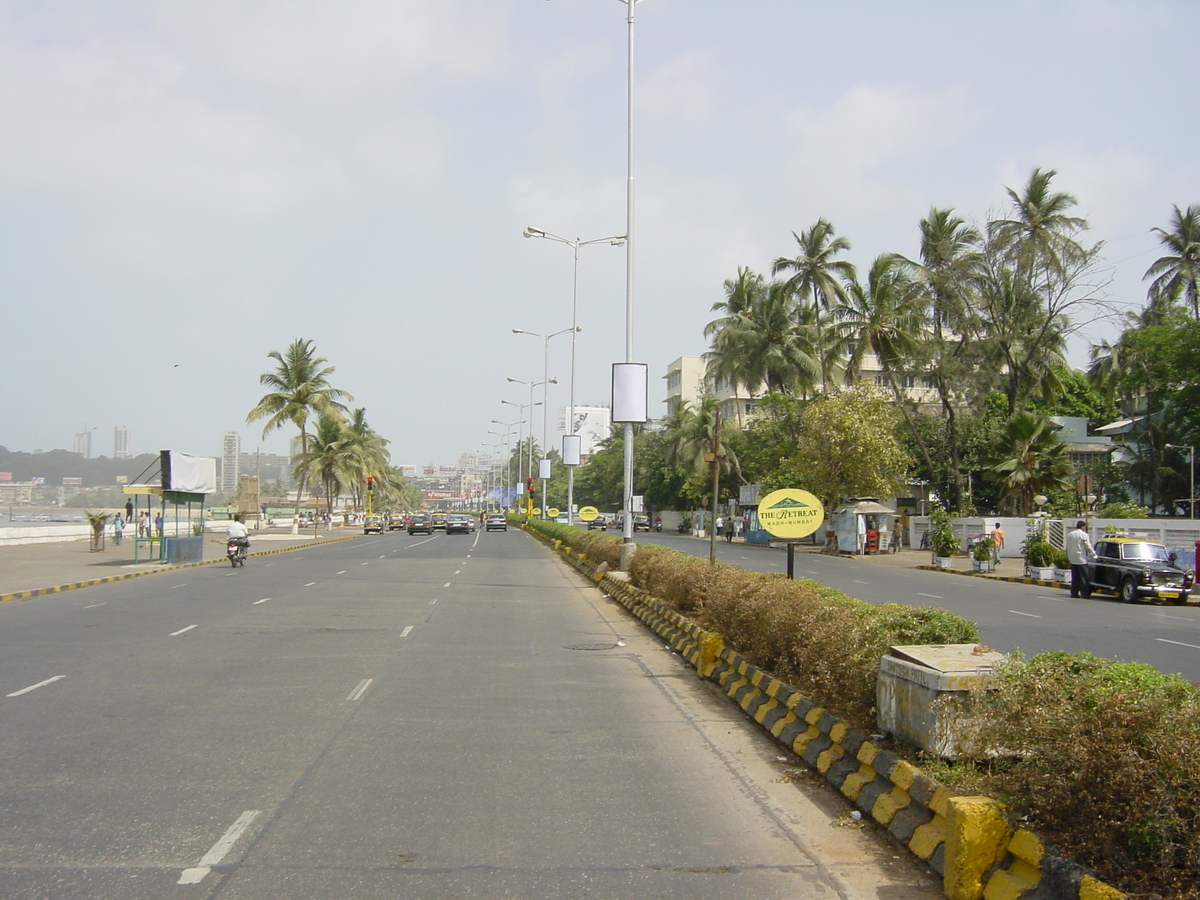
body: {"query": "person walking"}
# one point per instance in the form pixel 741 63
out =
pixel 720 526
pixel 1080 555
pixel 129 510
pixel 118 529
pixel 997 543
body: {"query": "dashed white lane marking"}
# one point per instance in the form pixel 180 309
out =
pixel 219 849
pixel 431 602
pixel 343 572
pixel 94 605
pixel 1017 612
pixel 458 572
pixel 310 584
pixel 34 687
pixel 930 596
pixel 1163 640
pixel 407 631
pixel 856 581
pixel 447 584
pixel 182 631
pixel 1180 618
pixel 365 564
pixel 357 693
pixel 263 600
pixel 174 587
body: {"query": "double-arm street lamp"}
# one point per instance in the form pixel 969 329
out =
pixel 1192 471
pixel 530 405
pixel 570 448
pixel 545 387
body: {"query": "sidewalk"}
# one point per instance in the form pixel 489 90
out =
pixel 27 570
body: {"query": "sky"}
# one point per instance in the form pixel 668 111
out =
pixel 187 186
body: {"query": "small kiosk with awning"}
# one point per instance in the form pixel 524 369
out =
pixel 864 526
pixel 185 480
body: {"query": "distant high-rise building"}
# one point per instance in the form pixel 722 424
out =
pixel 83 444
pixel 231 447
pixel 121 442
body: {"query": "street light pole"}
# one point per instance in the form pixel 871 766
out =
pixel 546 382
pixel 615 240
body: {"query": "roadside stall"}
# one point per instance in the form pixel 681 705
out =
pixel 865 526
pixel 169 527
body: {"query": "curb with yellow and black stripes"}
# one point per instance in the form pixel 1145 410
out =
pixel 108 579
pixel 966 840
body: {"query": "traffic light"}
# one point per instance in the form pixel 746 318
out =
pixel 529 485
pixel 370 483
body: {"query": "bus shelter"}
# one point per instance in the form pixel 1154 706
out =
pixel 168 525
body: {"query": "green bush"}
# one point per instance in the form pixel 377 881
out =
pixel 1100 757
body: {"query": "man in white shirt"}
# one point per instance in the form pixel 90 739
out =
pixel 1080 555
pixel 238 531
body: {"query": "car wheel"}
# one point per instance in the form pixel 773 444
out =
pixel 1128 590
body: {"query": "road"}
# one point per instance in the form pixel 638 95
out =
pixel 413 716
pixel 1010 615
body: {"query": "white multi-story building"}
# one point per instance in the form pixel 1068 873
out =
pixel 593 424
pixel 121 442
pixel 231 448
pixel 83 444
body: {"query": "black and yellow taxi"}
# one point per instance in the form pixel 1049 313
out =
pixel 373 525
pixel 1137 569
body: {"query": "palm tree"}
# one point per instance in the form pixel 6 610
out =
pixel 330 458
pixel 884 317
pixel 300 389
pixel 764 345
pixel 370 453
pixel 817 279
pixel 1178 273
pixel 1040 235
pixel 1032 461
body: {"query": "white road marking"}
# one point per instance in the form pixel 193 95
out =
pixel 384 556
pixel 360 690
pixel 263 600
pixel 34 687
pixel 94 605
pixel 343 572
pixel 431 602
pixel 1180 618
pixel 406 632
pixel 179 585
pixel 1164 640
pixel 219 849
pixel 447 584
pixel 310 584
pixel 856 581
pixel 1017 612
pixel 182 631
pixel 931 596
pixel 365 564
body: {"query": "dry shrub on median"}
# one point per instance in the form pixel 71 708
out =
pixel 825 644
pixel 1101 757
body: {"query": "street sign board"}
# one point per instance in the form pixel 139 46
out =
pixel 588 513
pixel 790 513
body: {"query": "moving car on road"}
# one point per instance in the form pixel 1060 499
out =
pixel 460 524
pixel 1135 569
pixel 396 522
pixel 420 523
pixel 373 525
pixel 600 523
pixel 495 522
pixel 439 521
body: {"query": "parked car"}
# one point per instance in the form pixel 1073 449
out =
pixel 460 524
pixel 439 521
pixel 423 524
pixel 1135 569
pixel 395 522
pixel 373 525
pixel 496 522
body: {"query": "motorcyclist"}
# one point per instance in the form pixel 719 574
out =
pixel 238 532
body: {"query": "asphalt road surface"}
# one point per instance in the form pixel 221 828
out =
pixel 401 716
pixel 1010 615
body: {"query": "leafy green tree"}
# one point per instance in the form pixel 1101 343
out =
pixel 300 389
pixel 1177 275
pixel 330 459
pixel 850 447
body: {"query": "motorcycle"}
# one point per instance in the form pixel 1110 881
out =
pixel 235 549
pixel 682 528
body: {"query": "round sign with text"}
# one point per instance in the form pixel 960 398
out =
pixel 790 513
pixel 552 512
pixel 588 513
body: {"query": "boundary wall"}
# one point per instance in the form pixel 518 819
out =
pixel 968 841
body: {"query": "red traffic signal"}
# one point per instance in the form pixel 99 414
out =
pixel 370 483
pixel 529 485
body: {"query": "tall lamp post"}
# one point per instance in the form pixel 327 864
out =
pixel 509 426
pixel 526 419
pixel 570 448
pixel 1192 471
pixel 545 387
pixel 530 405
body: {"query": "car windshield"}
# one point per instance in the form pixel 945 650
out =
pixel 1144 551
